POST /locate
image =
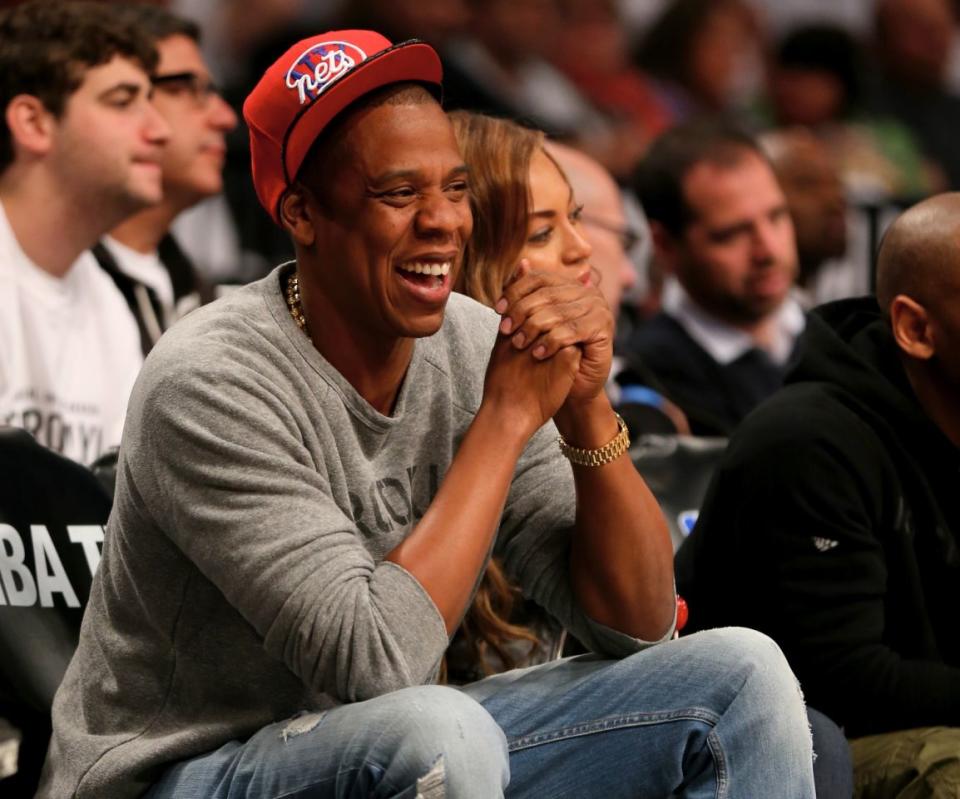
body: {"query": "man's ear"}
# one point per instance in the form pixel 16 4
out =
pixel 665 247
pixel 32 126
pixel 911 327
pixel 297 216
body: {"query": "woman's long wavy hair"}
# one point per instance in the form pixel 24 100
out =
pixel 498 153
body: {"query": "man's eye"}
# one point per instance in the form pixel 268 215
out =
pixel 459 188
pixel 403 193
pixel 728 235
pixel 175 89
pixel 121 101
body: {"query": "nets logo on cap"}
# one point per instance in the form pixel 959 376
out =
pixel 319 65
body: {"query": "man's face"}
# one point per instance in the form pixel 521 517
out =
pixel 603 222
pixel 815 196
pixel 916 39
pixel 737 258
pixel 109 141
pixel 517 29
pixel 392 224
pixel 198 118
pixel 606 228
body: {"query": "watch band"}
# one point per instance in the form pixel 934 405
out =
pixel 612 450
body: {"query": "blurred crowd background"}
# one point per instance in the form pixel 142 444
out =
pixel 861 98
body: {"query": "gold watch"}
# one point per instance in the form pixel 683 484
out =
pixel 610 451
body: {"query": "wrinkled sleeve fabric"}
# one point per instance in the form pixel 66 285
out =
pixel 224 472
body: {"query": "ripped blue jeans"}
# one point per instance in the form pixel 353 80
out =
pixel 716 714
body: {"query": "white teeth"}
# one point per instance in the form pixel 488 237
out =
pixel 434 269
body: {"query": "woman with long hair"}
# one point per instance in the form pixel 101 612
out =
pixel 523 207
pixel 525 218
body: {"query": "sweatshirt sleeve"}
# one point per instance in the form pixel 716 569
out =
pixel 222 469
pixel 813 513
pixel 534 542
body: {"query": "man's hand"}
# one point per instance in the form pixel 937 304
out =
pixel 543 313
pixel 526 391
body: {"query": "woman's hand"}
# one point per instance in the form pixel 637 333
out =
pixel 545 313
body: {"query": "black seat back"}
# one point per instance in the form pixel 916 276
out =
pixel 52 513
pixel 678 470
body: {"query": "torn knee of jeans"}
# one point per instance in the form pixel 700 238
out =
pixel 803 700
pixel 432 785
pixel 300 724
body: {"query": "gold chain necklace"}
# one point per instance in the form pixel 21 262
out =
pixel 293 302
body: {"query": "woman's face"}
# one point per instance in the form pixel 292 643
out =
pixel 555 241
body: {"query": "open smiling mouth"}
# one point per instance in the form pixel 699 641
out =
pixel 425 274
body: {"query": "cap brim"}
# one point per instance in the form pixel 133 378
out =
pixel 407 61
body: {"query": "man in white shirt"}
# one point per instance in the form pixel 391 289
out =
pixel 157 279
pixel 80 145
pixel 722 231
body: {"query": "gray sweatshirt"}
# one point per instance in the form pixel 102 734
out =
pixel 243 575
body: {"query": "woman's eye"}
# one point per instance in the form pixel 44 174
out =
pixel 576 215
pixel 541 236
pixel 459 188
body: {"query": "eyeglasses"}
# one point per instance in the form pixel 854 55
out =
pixel 199 89
pixel 629 237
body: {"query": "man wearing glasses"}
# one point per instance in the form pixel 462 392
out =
pixel 616 245
pixel 605 225
pixel 156 278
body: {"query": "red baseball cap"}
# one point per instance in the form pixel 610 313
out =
pixel 309 85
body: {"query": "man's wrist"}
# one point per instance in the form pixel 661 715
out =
pixel 505 425
pixel 598 456
pixel 587 424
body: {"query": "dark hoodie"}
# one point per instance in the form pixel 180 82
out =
pixel 832 525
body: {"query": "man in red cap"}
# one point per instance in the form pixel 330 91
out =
pixel 314 473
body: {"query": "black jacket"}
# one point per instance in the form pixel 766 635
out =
pixel 832 525
pixel 190 290
pixel 715 397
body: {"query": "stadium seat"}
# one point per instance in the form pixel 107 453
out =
pixel 52 513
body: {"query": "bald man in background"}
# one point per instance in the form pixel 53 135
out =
pixel 837 504
pixel 605 224
pixel 614 241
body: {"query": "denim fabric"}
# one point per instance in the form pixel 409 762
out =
pixel 716 714
pixel 833 764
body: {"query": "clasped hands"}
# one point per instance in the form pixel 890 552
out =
pixel 554 349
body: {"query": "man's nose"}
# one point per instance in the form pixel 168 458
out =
pixel 222 116
pixel 156 129
pixel 764 242
pixel 439 214
pixel 628 274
